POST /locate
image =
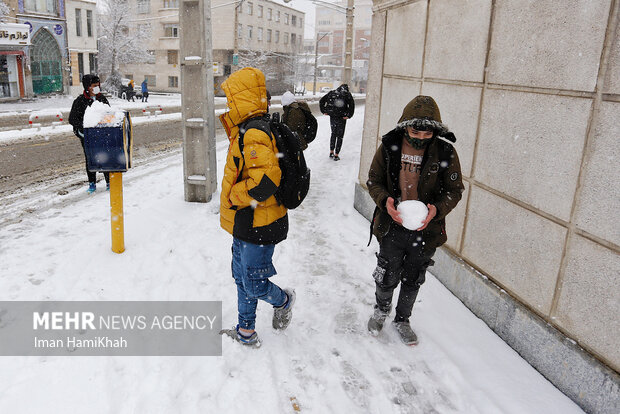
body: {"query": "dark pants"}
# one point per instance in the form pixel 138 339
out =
pixel 92 176
pixel 338 125
pixel 402 259
pixel 145 96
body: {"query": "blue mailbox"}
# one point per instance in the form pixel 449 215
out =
pixel 108 146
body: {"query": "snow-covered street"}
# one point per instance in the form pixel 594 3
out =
pixel 325 362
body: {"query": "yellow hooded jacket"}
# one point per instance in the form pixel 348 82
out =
pixel 248 208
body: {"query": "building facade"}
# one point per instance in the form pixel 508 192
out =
pixel 533 97
pixel 14 43
pixel 82 41
pixel 330 27
pixel 266 32
pixel 47 55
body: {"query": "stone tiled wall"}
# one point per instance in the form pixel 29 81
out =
pixel 532 91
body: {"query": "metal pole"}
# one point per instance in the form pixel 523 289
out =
pixel 348 59
pixel 235 63
pixel 316 59
pixel 116 212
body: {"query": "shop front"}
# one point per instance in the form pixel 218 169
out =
pixel 14 41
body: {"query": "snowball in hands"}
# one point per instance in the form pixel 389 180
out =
pixel 413 213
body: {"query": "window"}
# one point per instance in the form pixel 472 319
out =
pixel 285 38
pixel 151 80
pixel 249 8
pixel 301 22
pixel 294 20
pixel 151 58
pixel 173 57
pixel 259 35
pixel 277 15
pixel 92 62
pixel 277 36
pixel 89 23
pixel 144 6
pixel 293 38
pixel 41 6
pixel 260 11
pixel 269 12
pixel 239 31
pixel 250 31
pixel 170 4
pixel 171 30
pixel 269 35
pixel 285 18
pixel 324 22
pixel 144 28
pixel 129 76
pixel 78 22
pixel 81 65
pixel 173 81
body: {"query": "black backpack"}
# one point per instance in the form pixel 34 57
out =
pixel 311 127
pixel 295 180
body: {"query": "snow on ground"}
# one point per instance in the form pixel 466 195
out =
pixel 325 359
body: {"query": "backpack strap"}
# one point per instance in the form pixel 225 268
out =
pixel 252 123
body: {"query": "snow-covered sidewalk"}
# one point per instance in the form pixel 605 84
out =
pixel 325 361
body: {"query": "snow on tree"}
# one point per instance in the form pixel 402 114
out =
pixel 4 11
pixel 123 39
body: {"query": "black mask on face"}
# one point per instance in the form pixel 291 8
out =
pixel 417 143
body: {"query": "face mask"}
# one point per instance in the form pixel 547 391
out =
pixel 417 143
pixel 96 90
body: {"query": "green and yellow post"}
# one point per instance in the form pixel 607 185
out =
pixel 116 212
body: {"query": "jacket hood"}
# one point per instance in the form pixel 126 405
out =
pixel 423 112
pixel 246 95
pixel 288 98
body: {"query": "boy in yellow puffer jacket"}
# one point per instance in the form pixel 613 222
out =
pixel 248 208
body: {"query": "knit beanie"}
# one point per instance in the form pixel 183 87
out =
pixel 88 80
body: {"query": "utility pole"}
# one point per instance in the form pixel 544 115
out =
pixel 235 59
pixel 316 59
pixel 197 101
pixel 348 58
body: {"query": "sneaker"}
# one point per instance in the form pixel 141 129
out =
pixel 251 341
pixel 336 158
pixel 92 187
pixel 282 316
pixel 376 321
pixel 331 155
pixel 406 333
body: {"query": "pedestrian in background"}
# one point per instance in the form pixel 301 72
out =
pixel 92 92
pixel 298 117
pixel 340 106
pixel 145 91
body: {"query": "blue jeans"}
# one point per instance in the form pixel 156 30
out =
pixel 251 268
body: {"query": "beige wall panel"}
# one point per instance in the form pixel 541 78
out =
pixel 549 44
pixel 455 220
pixel 459 106
pixel 515 247
pixel 405 40
pixel 589 302
pixel 612 78
pixel 373 96
pixel 457 39
pixel 599 200
pixel 530 147
pixel 396 94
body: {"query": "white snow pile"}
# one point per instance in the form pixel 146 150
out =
pixel 100 114
pixel 413 213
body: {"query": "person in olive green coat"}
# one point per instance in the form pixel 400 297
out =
pixel 413 162
pixel 294 116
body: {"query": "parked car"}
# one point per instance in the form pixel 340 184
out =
pixel 325 89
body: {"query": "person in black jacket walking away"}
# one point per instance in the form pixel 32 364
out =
pixel 91 93
pixel 340 106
